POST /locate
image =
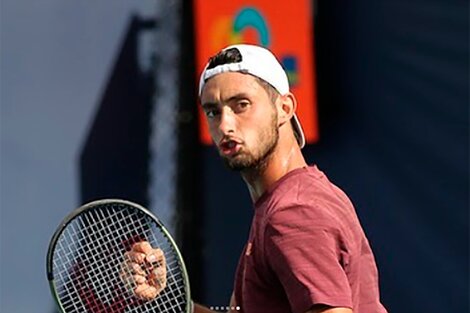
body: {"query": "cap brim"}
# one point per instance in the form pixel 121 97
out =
pixel 298 131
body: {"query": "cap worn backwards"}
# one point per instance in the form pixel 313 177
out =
pixel 259 62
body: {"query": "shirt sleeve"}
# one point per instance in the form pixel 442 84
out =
pixel 308 254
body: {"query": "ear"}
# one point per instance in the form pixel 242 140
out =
pixel 286 108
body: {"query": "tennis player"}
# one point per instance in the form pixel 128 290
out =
pixel 306 250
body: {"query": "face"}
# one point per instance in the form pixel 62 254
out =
pixel 242 119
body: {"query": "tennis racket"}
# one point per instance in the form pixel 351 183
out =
pixel 86 256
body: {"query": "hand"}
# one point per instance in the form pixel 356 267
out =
pixel 144 271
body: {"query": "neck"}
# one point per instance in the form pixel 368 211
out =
pixel 285 158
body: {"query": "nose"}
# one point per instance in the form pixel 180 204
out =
pixel 227 121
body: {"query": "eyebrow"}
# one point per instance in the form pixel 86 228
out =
pixel 237 96
pixel 209 105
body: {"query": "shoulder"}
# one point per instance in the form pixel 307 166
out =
pixel 307 193
pixel 297 217
pixel 309 202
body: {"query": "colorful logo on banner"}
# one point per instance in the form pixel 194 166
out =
pixel 249 26
pixel 223 23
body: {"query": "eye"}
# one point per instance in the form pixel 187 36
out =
pixel 211 112
pixel 242 105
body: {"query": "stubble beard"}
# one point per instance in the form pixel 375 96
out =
pixel 257 160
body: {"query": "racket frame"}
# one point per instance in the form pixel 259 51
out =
pixel 89 206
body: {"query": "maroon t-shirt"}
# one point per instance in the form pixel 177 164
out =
pixel 306 247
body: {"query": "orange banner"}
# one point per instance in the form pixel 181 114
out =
pixel 284 27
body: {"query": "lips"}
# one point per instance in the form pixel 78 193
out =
pixel 229 147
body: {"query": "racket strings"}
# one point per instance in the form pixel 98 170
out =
pixel 140 230
pixel 89 256
pixel 99 278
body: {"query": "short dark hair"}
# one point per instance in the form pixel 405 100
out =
pixel 232 55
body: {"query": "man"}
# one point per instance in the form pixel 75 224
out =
pixel 306 250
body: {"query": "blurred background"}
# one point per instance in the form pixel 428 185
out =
pixel 99 100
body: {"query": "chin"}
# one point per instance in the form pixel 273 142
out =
pixel 237 162
pixel 241 163
pixel 235 165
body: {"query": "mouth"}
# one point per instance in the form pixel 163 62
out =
pixel 229 147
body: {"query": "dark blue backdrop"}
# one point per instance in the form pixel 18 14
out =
pixel 393 101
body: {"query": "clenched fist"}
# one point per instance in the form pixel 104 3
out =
pixel 144 271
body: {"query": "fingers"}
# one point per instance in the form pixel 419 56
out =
pixel 142 247
pixel 157 277
pixel 135 268
pixel 155 256
pixel 144 270
pixel 135 257
pixel 139 279
pixel 138 282
pixel 143 251
pixel 146 291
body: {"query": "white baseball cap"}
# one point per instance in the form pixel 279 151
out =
pixel 259 62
